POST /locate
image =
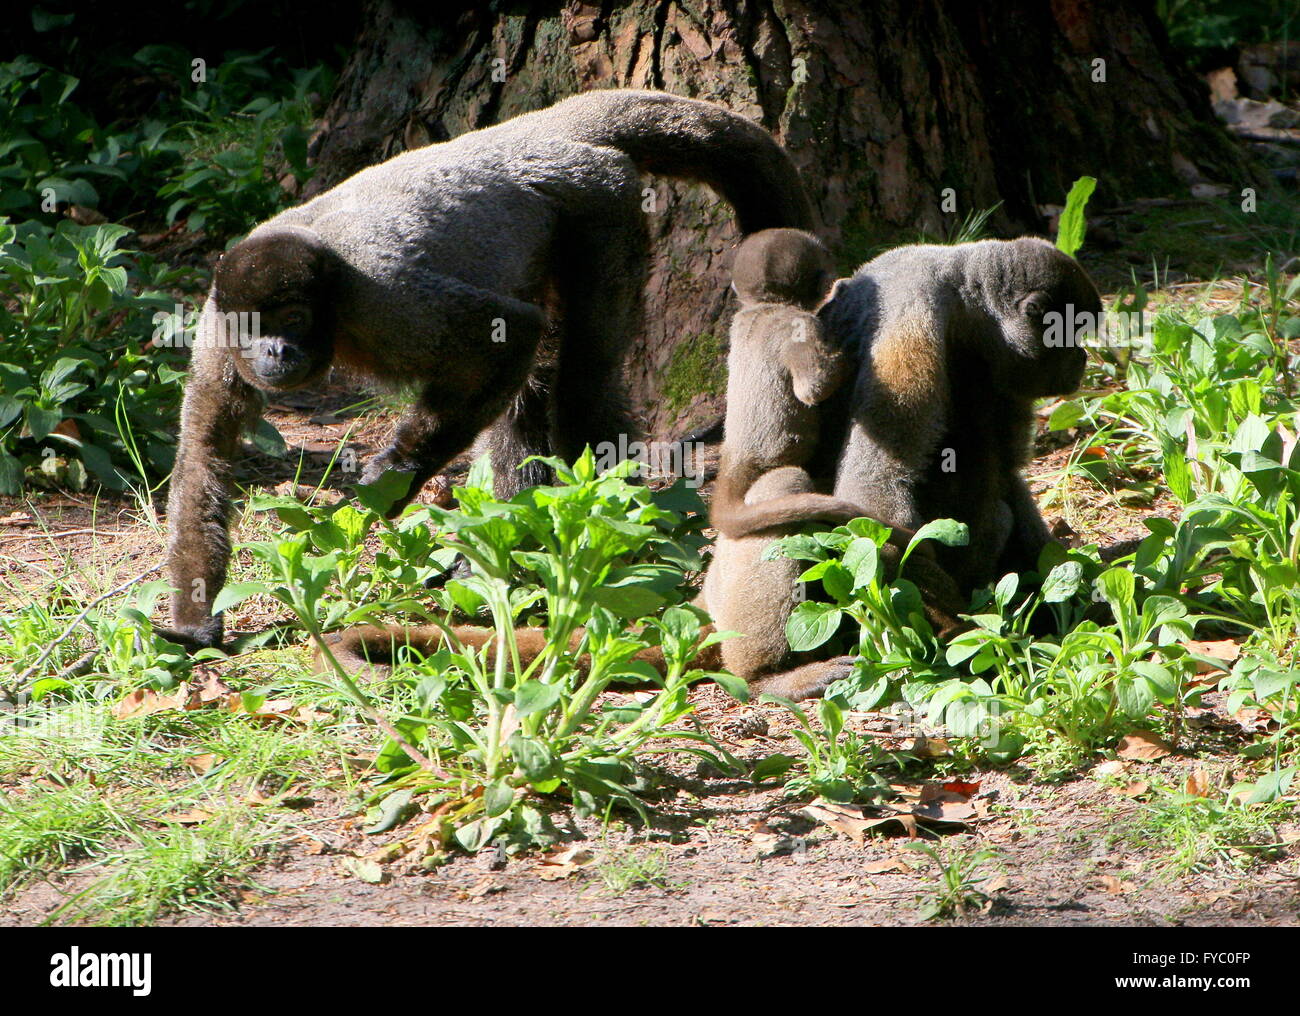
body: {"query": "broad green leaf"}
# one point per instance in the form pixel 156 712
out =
pixel 1072 226
pixel 535 697
pixel 236 593
pixel 1135 696
pixel 1065 416
pixel 812 624
pixel 1062 582
pixel 736 687
pixel 773 767
pixel 497 798
pixel 1271 682
pixel 535 759
pixel 946 531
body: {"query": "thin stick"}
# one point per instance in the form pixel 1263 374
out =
pixel 78 619
pixel 66 532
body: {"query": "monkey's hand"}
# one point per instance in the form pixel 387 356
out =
pixel 386 461
pixel 192 643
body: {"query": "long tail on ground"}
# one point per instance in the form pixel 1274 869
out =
pixel 373 649
pixel 694 140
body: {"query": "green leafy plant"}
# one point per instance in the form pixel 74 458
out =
pixel 78 381
pixel 894 634
pixel 839 766
pixel 1088 684
pixel 491 737
pixel 252 113
pixel 962 880
pixel 53 148
pixel 623 869
pixel 1198 832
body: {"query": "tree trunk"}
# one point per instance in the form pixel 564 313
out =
pixel 904 116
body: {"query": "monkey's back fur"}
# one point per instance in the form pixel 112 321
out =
pixel 952 351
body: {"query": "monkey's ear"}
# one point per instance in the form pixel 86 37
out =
pixel 836 287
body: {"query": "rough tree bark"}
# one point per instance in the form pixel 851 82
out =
pixel 883 105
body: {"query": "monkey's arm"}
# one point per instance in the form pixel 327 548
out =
pixel 899 415
pixel 217 406
pixel 1029 533
pixel 817 368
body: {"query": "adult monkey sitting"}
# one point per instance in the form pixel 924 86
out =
pixel 443 267
pixel 954 344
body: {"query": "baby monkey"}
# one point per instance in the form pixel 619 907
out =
pixel 781 366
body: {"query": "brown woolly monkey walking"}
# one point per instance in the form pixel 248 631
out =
pixel 442 269
pixel 953 346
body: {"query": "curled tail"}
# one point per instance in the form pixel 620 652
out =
pixel 744 504
pixel 696 140
pixel 791 509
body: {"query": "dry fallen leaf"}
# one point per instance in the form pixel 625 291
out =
pixel 146 702
pixel 1142 744
pixel 930 747
pixel 962 787
pixel 1223 651
pixel 206 687
pixel 202 763
pixel 272 710
pixel 1253 720
pixel 366 870
pixel 67 428
pixel 194 816
pixel 1198 784
pixel 1112 768
pixel 939 805
pixel 483 887
pixel 563 863
pixel 846 820
pixel 888 864
pixel 1114 886
pixel 904 818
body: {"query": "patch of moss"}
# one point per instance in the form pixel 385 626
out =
pixel 697 367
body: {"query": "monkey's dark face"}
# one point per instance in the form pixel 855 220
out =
pixel 285 351
pixel 278 286
pixel 1049 310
